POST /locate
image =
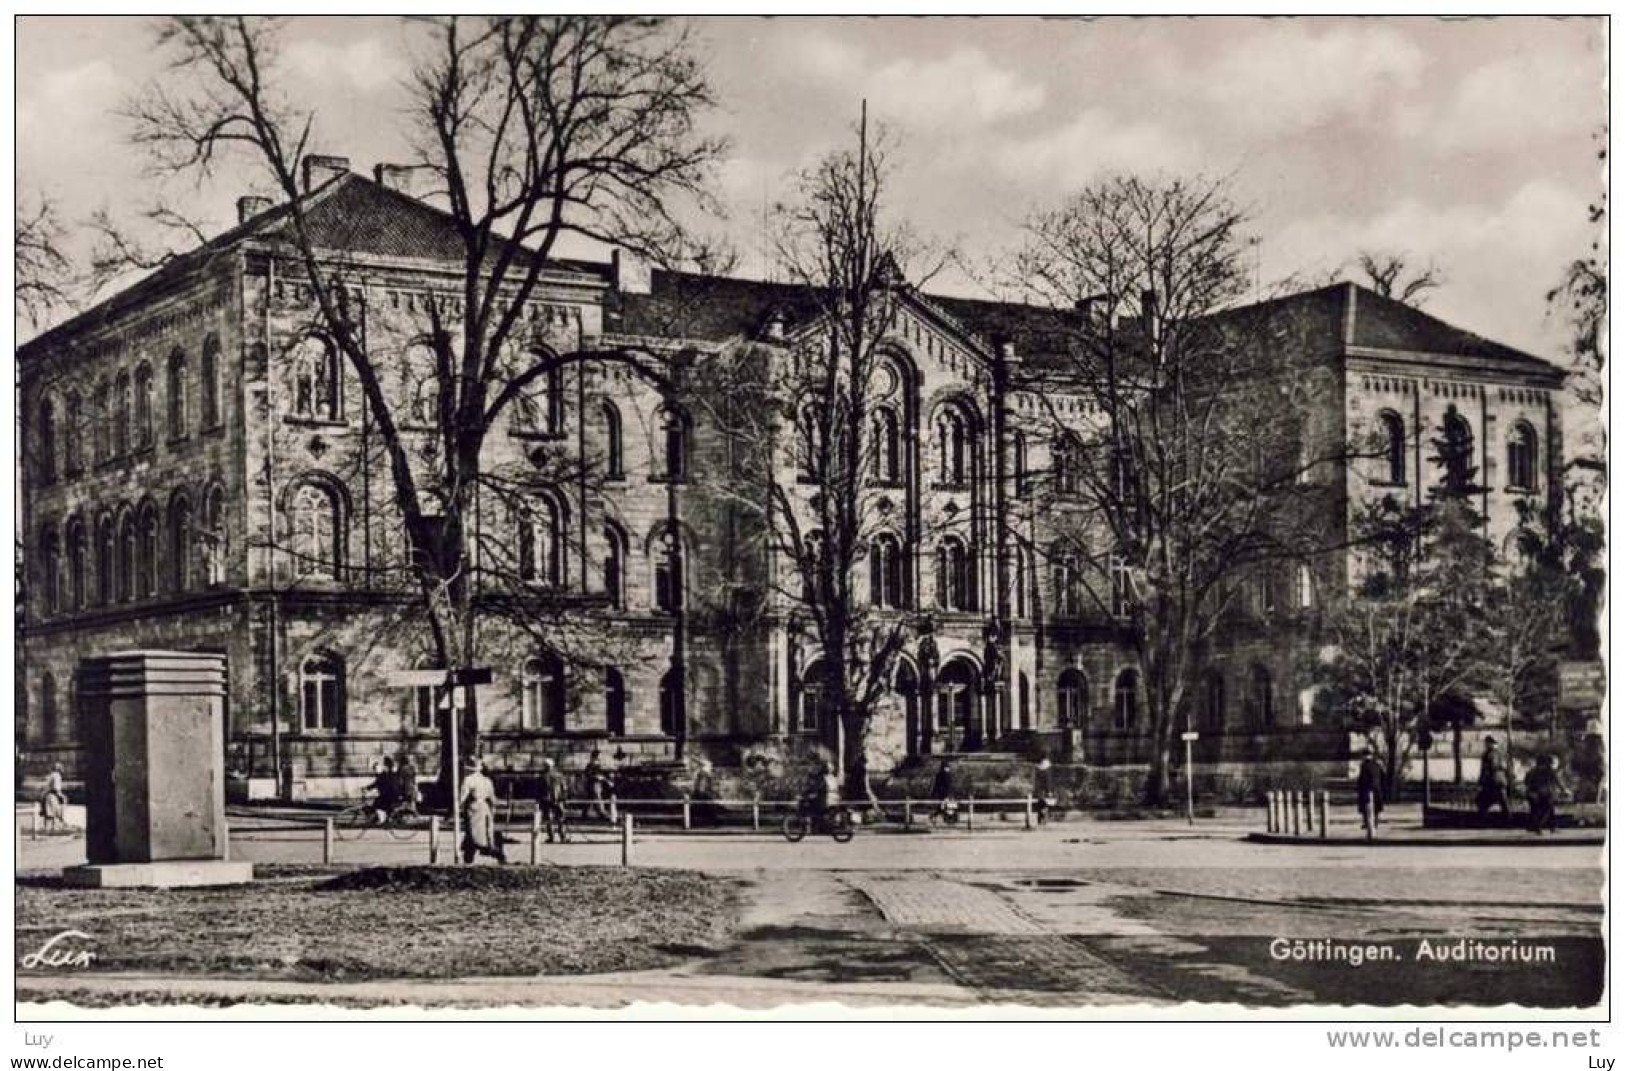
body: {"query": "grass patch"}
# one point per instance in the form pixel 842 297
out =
pixel 347 924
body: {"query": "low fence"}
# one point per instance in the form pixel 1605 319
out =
pixel 1298 813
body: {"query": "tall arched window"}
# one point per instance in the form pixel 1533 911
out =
pixel 674 434
pixel 673 707
pixel 47 442
pixel 146 554
pixel 317 532
pixel 1455 453
pixel 810 425
pixel 1065 460
pixel 615 565
pixel 614 451
pixel 1213 701
pixel 175 393
pixel 541 542
pixel 813 698
pixel 886 572
pixel 1126 701
pixel 144 434
pixel 885 430
pixel 1261 698
pixel 77 553
pixel 316 380
pixel 1024 710
pixel 123 402
pixel 1523 457
pixel 180 543
pixel 213 536
pixel 322 693
pixel 668 571
pixel 101 413
pixel 614 702
pixel 209 388
pixel 1072 699
pixel 956 588
pixel 126 556
pixel 106 561
pixel 73 417
pixel 953 448
pixel 1304 583
pixel 51 570
pixel 1018 461
pixel 1068 576
pixel 1392 427
pixel 554 378
pixel 542 679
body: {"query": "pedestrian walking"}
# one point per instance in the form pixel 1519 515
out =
pixel 598 788
pixel 53 802
pixel 1493 777
pixel 479 801
pixel 406 777
pixel 1368 793
pixel 702 795
pixel 1543 784
pixel 386 787
pixel 944 792
pixel 551 793
pixel 1043 790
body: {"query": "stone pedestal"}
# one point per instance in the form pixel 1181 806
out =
pixel 155 789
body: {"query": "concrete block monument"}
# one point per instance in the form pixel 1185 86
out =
pixel 155 780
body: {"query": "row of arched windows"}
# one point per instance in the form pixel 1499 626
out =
pixel 122 413
pixel 133 552
pixel 1072 700
pixel 1522 451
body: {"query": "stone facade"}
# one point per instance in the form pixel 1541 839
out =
pixel 256 517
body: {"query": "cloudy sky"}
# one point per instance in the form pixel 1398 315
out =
pixel 1466 143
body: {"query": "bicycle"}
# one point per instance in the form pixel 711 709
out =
pixel 352 822
pixel 837 822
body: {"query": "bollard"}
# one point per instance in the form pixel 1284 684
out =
pixel 970 813
pixel 535 834
pixel 33 825
pixel 1271 807
pixel 687 812
pixel 614 816
pixel 225 841
pixel 1325 806
pixel 626 840
pixel 434 839
pixel 756 811
pixel 1027 814
pixel 327 842
pixel 1297 812
pixel 908 813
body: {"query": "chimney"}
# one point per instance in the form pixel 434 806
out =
pixel 1007 351
pixel 250 206
pixel 773 326
pixel 398 177
pixel 321 169
pixel 632 273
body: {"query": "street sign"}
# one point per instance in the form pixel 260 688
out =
pixel 474 675
pixel 415 678
pixel 1189 737
pixel 1580 685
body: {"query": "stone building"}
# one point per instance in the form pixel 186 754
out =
pixel 200 472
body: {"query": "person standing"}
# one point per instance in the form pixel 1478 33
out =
pixel 1493 780
pixel 479 801
pixel 1543 784
pixel 406 775
pixel 1368 793
pixel 702 795
pixel 1043 790
pixel 597 788
pixel 551 794
pixel 943 791
pixel 53 803
pixel 385 788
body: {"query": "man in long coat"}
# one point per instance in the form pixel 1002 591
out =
pixel 479 801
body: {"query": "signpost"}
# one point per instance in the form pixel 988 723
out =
pixel 453 685
pixel 1190 778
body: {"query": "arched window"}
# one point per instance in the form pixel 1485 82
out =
pixel 316 380
pixel 146 553
pixel 810 424
pixel 180 543
pixel 106 561
pixel 143 406
pixel 673 709
pixel 78 591
pixel 886 572
pixel 1261 698
pixel 1455 453
pixel 1018 461
pixel 51 570
pixel 614 452
pixel 317 532
pixel 674 433
pixel 1305 585
pixel 126 556
pixel 50 718
pixel 1024 700
pixel 73 458
pixel 554 378
pixel 1213 701
pixel 210 386
pixel 615 565
pixel 814 698
pixel 614 702
pixel 175 392
pixel 1064 456
pixel 123 402
pixel 47 442
pixel 888 445
pixel 541 542
pixel 1523 458
pixel 668 572
pixel 1072 699
pixel 321 693
pixel 953 448
pixel 101 413
pixel 956 588
pixel 1392 427
pixel 1126 701
pixel 542 679
pixel 1068 577
pixel 213 536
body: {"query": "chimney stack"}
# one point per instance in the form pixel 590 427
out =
pixel 250 206
pixel 773 327
pixel 398 177
pixel 632 273
pixel 321 169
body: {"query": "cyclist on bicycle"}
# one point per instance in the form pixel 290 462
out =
pixel 386 786
pixel 821 793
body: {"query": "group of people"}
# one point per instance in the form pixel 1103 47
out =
pixel 1542 785
pixel 394 789
pixel 478 802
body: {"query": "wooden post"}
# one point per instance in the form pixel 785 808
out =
pixel 1325 807
pixel 225 840
pixel 688 815
pixel 970 813
pixel 327 841
pixel 908 813
pixel 614 815
pixel 1027 814
pixel 1297 813
pixel 626 840
pixel 756 811
pixel 535 833
pixel 434 839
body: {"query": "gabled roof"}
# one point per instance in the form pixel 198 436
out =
pixel 706 308
pixel 1382 323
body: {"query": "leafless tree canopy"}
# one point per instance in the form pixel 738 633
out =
pixel 44 272
pixel 1393 276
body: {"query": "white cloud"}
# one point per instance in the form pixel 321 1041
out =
pixel 367 65
pixel 74 98
pixel 1527 96
pixel 1094 143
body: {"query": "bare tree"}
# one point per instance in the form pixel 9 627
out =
pixel 1196 478
pixel 532 128
pixel 1393 276
pixel 44 283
